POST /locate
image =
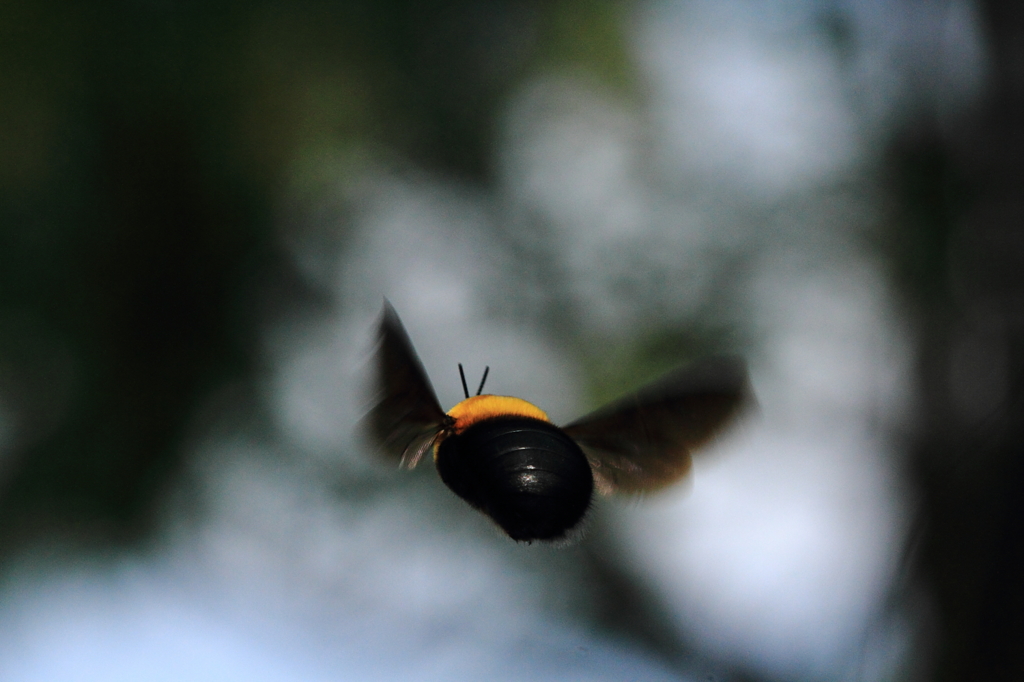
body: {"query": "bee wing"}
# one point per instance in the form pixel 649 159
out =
pixel 407 417
pixel 643 441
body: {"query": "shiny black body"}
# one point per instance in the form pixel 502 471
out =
pixel 526 474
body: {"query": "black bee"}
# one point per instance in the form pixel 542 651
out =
pixel 505 458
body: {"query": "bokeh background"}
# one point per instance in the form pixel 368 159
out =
pixel 202 206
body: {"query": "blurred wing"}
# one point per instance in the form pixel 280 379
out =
pixel 643 441
pixel 407 417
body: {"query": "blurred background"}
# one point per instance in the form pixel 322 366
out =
pixel 202 206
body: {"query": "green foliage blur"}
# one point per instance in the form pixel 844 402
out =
pixel 143 148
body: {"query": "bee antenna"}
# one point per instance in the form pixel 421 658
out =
pixel 465 388
pixel 486 370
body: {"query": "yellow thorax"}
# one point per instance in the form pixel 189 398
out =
pixel 480 407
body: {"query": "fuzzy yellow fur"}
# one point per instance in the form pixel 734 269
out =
pixel 480 407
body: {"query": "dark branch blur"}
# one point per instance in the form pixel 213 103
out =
pixel 962 258
pixel 142 146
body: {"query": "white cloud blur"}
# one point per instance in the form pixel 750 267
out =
pixel 784 552
pixel 743 95
pixel 427 247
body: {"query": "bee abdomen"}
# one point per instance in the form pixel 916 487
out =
pixel 525 473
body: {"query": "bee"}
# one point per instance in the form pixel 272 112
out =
pixel 536 480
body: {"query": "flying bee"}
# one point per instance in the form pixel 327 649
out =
pixel 504 457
